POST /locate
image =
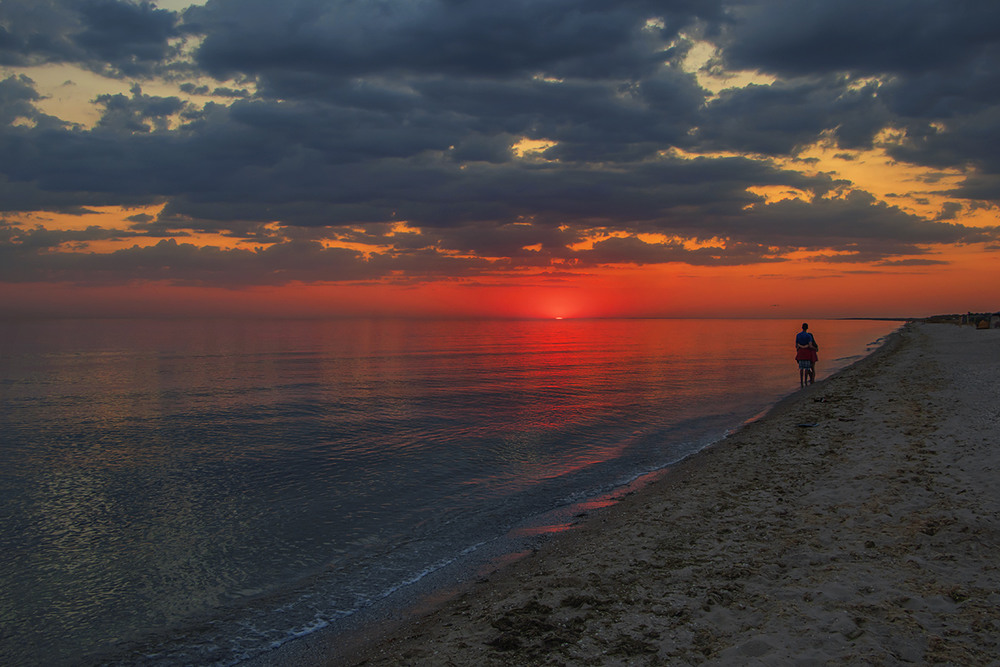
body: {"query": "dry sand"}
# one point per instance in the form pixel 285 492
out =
pixel 857 523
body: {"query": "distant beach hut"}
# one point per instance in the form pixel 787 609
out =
pixel 995 321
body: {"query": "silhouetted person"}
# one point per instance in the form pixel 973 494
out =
pixel 806 354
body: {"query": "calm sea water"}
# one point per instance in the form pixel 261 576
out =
pixel 178 492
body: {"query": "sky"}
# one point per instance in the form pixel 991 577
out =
pixel 475 158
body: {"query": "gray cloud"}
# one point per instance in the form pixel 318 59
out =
pixel 780 118
pixel 937 61
pixel 858 217
pixel 39 238
pixel 969 140
pixel 25 258
pixel 368 113
pixel 115 37
pixel 631 250
pixel 471 37
pixel 916 261
pixel 17 99
pixel 809 37
pixel 139 113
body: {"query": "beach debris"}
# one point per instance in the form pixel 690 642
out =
pixel 807 424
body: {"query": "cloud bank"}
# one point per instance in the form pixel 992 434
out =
pixel 428 139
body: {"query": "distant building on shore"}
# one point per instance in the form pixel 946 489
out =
pixel 978 320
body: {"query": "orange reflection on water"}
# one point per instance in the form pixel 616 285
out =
pixel 535 531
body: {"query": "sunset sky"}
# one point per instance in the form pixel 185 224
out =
pixel 526 158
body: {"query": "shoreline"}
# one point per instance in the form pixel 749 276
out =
pixel 648 581
pixel 388 631
pixel 856 521
pixel 348 635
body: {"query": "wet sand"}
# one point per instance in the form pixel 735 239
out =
pixel 857 523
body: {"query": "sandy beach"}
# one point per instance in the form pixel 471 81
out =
pixel 858 522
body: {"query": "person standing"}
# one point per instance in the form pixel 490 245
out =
pixel 806 354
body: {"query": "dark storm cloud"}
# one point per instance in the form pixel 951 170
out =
pixel 590 120
pixel 16 197
pixel 453 37
pixel 938 62
pixel 138 113
pixel 123 34
pixel 979 186
pixel 778 119
pixel 116 37
pixel 310 164
pixel 859 216
pixel 973 139
pixel 335 119
pixel 908 37
pixel 17 99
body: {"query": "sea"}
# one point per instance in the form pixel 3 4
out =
pixel 180 492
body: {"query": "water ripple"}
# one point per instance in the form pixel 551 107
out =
pixel 197 491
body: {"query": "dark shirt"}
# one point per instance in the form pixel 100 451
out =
pixel 804 338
